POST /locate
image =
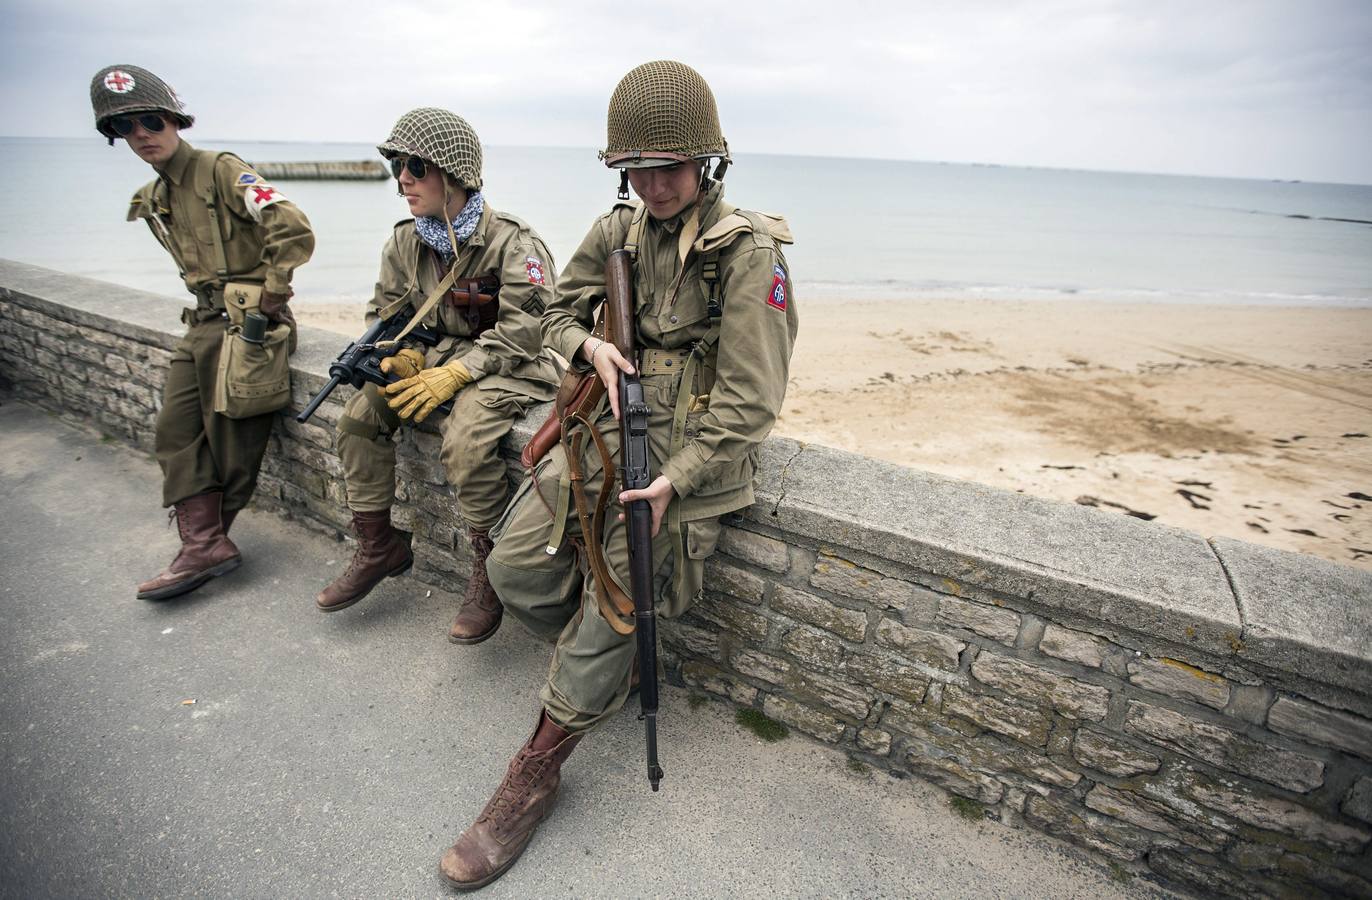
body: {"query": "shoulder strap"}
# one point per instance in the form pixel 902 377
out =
pixel 205 187
pixel 634 237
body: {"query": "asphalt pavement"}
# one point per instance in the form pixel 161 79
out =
pixel 238 743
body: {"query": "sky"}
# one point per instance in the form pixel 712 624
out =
pixel 1240 88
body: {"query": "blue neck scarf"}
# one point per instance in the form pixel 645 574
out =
pixel 433 231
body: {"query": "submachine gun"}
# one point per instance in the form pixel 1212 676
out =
pixel 360 361
pixel 638 515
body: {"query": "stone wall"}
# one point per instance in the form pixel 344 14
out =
pixel 1200 710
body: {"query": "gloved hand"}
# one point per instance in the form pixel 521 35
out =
pixel 421 395
pixel 406 363
pixel 274 307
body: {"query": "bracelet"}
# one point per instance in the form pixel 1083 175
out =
pixel 596 350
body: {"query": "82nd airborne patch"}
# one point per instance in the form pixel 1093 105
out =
pixel 535 269
pixel 777 295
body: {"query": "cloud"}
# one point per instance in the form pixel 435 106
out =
pixel 1262 88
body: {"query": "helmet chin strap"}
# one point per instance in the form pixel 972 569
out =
pixel 623 183
pixel 447 220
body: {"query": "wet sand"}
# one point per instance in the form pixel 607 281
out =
pixel 1245 422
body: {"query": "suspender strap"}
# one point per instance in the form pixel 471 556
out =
pixel 636 226
pixel 204 183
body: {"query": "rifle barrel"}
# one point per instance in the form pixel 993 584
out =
pixel 318 398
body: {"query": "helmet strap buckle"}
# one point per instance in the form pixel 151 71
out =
pixel 624 184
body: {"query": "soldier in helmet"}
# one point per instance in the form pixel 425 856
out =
pixel 716 318
pixel 223 226
pixel 481 278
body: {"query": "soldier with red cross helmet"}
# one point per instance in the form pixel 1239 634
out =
pixel 236 240
pixel 715 320
pixel 480 278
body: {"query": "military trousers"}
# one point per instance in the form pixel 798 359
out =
pixel 471 434
pixel 588 679
pixel 198 449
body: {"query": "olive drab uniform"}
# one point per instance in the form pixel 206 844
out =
pixel 221 222
pixel 712 280
pixel 501 348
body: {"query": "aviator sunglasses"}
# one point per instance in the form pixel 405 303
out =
pixel 416 166
pixel 123 125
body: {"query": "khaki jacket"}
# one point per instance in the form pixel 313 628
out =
pixel 265 237
pixel 743 377
pixel 510 354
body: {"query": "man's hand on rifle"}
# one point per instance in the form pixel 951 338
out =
pixel 406 363
pixel 420 395
pixel 608 363
pixel 658 494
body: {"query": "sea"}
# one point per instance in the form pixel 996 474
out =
pixel 863 228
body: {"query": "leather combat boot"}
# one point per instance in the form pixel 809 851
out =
pixel 382 551
pixel 206 550
pixel 494 841
pixel 481 611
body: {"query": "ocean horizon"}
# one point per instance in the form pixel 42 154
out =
pixel 874 228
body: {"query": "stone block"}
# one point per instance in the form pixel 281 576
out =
pixel 728 579
pixel 1249 702
pixel 1152 815
pixel 710 678
pixel 833 573
pixel 1074 646
pixel 874 741
pixel 733 616
pixel 1318 724
pixel 761 666
pixel 1302 614
pixel 1224 747
pixel 689 640
pixel 846 623
pixel 1111 756
pixel 1060 816
pixel 834 694
pixel 1207 874
pixel 1358 801
pixel 1022 723
pixel 1288 865
pixel 811 721
pixel 115 365
pixel 1178 679
pixel 953 776
pixel 929 647
pixel 888 675
pixel 1272 813
pixel 763 552
pixel 815 648
pixel 981 618
pixel 1074 699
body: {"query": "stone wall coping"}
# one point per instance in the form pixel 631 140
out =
pixel 1228 598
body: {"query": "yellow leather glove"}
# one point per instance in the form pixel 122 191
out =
pixel 406 363
pixel 421 395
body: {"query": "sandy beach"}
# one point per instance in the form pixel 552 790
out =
pixel 1245 422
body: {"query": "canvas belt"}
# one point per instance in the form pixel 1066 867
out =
pixel 662 362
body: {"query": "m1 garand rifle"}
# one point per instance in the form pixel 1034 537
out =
pixel 638 515
pixel 360 361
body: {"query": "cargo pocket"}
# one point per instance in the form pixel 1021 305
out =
pixel 253 379
pixel 700 539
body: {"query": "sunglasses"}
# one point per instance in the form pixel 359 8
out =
pixel 416 166
pixel 123 125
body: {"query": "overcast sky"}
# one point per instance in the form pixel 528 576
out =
pixel 1256 88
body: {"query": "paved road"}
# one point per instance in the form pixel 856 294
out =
pixel 339 755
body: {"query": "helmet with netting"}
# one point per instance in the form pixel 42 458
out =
pixel 129 90
pixel 440 137
pixel 662 113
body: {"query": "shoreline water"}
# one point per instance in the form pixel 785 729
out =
pixel 1245 422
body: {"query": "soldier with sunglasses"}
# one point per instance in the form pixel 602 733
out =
pixel 222 224
pixel 481 278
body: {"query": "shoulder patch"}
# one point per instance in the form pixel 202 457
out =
pixel 259 196
pixel 535 269
pixel 776 297
pixel 247 178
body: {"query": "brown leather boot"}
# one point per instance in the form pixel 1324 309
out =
pixel 481 611
pixel 206 550
pixel 525 797
pixel 382 551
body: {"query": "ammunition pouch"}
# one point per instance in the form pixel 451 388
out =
pixel 239 299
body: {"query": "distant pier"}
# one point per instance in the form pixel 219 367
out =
pixel 339 170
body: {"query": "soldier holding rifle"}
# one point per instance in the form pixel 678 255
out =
pixel 479 279
pixel 714 321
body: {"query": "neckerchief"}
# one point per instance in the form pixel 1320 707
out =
pixel 433 231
